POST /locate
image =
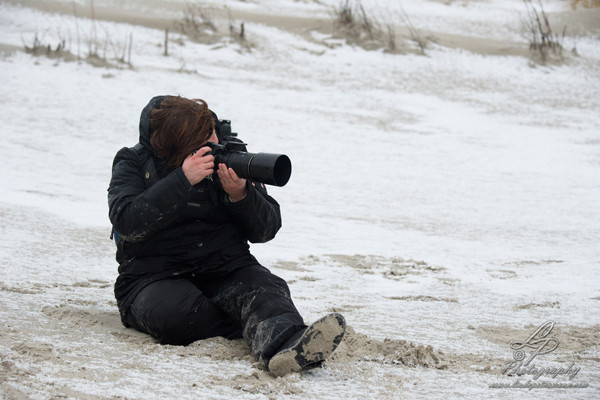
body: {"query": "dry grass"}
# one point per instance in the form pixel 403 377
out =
pixel 197 24
pixel 585 3
pixel 544 42
pixel 414 33
pixel 39 46
pixel 106 53
pixel 237 33
pixel 352 21
pixel 356 26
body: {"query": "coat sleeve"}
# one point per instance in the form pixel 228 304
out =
pixel 137 212
pixel 258 214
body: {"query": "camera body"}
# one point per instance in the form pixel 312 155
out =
pixel 267 168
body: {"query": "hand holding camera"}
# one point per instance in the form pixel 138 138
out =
pixel 199 165
pixel 233 185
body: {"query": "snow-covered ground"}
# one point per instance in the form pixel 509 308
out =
pixel 448 200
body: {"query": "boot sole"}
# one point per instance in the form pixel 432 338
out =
pixel 313 347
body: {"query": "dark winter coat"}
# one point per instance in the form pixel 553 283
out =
pixel 166 227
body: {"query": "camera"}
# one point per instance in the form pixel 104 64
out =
pixel 267 168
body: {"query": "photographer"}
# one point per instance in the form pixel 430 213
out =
pixel 182 226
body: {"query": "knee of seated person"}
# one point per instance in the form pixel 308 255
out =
pixel 264 277
pixel 170 325
pixel 271 285
pixel 277 284
pixel 174 331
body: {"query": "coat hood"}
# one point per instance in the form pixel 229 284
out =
pixel 145 129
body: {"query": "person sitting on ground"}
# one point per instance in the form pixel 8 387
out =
pixel 182 226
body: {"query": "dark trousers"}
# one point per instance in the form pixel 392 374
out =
pixel 248 302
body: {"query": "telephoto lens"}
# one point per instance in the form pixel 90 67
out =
pixel 267 168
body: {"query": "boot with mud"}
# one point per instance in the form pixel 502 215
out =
pixel 308 348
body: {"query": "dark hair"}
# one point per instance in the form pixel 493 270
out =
pixel 180 126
